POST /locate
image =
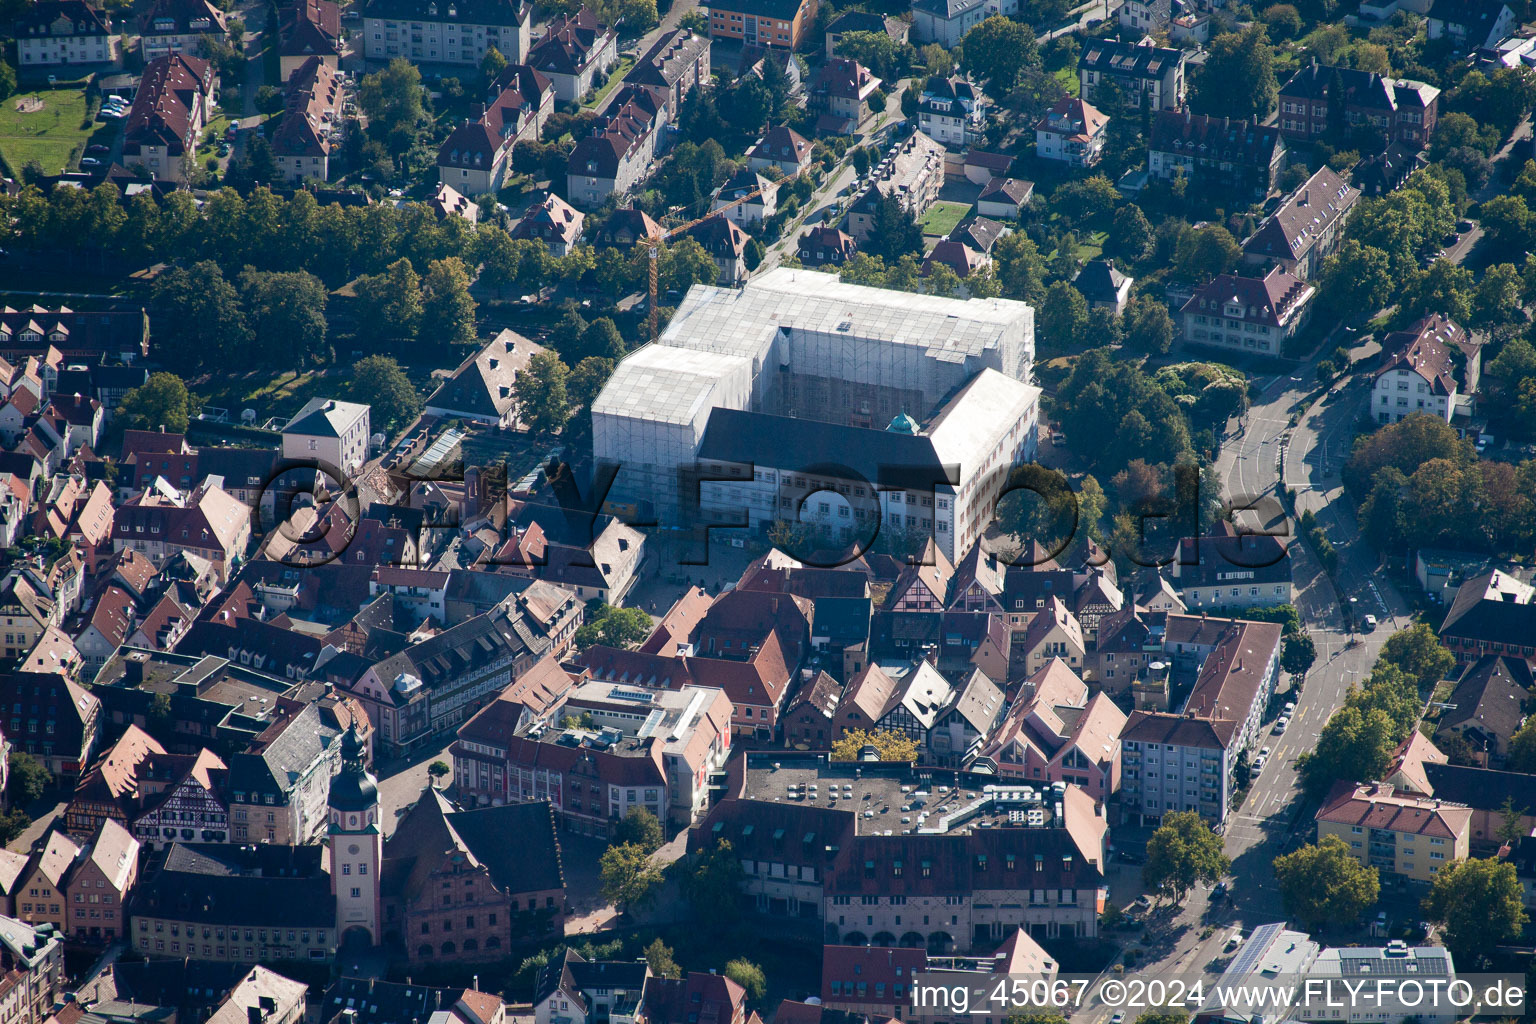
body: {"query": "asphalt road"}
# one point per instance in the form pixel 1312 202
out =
pixel 1189 941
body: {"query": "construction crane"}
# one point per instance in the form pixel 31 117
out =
pixel 655 242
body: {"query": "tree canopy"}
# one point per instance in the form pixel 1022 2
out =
pixel 1323 884
pixel 1182 852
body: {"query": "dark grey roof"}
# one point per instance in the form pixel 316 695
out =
pixel 1489 697
pixel 469 12
pixel 530 864
pixel 384 1002
pixel 1099 281
pixel 1474 617
pixel 203 886
pixel 1127 60
pixel 277 767
pixel 882 457
pixel 1483 789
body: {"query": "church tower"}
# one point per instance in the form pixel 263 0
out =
pixel 355 836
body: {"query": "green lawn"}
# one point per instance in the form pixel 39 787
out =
pixel 50 135
pixel 614 78
pixel 1068 79
pixel 942 217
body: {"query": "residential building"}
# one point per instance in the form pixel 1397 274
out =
pixel 208 523
pixel 278 786
pixel 645 748
pixel 52 718
pixel 178 26
pixel 782 23
pixel 781 147
pixel 951 111
pixel 876 982
pixel 1493 613
pixel 1399 833
pixel 574 50
pixel 1471 24
pixel 1004 198
pixel 1230 569
pixel 1072 132
pixel 1424 370
pixel 726 244
pixel 174 102
pixel 1324 101
pixel 754 198
pixel 305 29
pixel 712 996
pixel 1139 73
pixel 992 858
pixel 263 996
pixel 475 156
pixel 1103 286
pixel 455 890
pixel 1249 314
pixel 1382 174
pixel 110 789
pixel 553 221
pixel 907 699
pixel 1487 707
pixel 430 688
pixel 312 126
pixel 1051 633
pixel 27 611
pixel 586 991
pixel 957 255
pixel 33 962
pixel 182 797
pixel 80 888
pixel 1183 760
pixel 235 903
pixel 330 434
pixel 1306 228
pixel 677 62
pixel 912 172
pixel 946 21
pixel 1147 17
pixel 839 92
pixel 447 31
pixel 625 228
pixel 480 389
pixel 824 245
pixel 89 337
pixel 1244 156
pixel 63 33
pixel 1055 732
pixel 618 154
pixel 1431 968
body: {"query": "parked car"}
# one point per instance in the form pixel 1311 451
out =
pixel 89 161
pixel 1281 725
pixel 1370 623
pixel 1463 225
pixel 1289 709
pixel 1234 940
pixel 97 147
pixel 223 149
pixel 1220 891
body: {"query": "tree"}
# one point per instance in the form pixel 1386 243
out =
pixel 1507 223
pixel 439 770
pixel 542 403
pixel 392 100
pixel 749 976
pixel 1238 79
pixel 615 627
pixel 874 50
pixel 658 956
pixel 629 879
pixel 448 313
pixel 600 338
pixel 1445 287
pixel 1063 318
pixel 1020 270
pixel 1148 327
pixel 379 382
pixel 890 745
pixel 1357 279
pixel 391 304
pixel 269 99
pixel 1521 755
pixel 202 320
pixel 28 778
pixel 638 16
pixel 1496 302
pixel 492 63
pixel 1298 653
pixel 1283 21
pixel 1515 362
pixel 1205 252
pixel 286 312
pixel 714 887
pixel 1417 651
pixel 1477 903
pixel 998 50
pixel 1355 745
pixel 1324 884
pixel 161 401
pixel 1510 831
pixel 1131 233
pixel 1182 852
pixel 1038 505
pixel 893 231
pixel 586 381
pixel 641 828
pixel 14 822
pixel 7 80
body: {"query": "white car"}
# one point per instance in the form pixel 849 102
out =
pixel 1264 752
pixel 1280 725
pixel 1290 708
pixel 1258 765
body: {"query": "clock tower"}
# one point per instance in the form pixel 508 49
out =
pixel 355 836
